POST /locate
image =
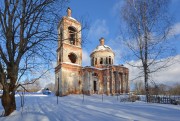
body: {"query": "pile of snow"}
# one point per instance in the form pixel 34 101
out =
pixel 40 91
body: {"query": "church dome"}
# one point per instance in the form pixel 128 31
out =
pixel 102 55
pixel 102 47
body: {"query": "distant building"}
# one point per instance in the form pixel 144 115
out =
pixel 101 77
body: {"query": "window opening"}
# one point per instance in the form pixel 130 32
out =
pixel 72 35
pixel 101 61
pixel 109 59
pixel 95 89
pixel 72 57
pixel 92 62
pixel 106 60
pixel 95 61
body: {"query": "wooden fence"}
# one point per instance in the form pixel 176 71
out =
pixel 165 99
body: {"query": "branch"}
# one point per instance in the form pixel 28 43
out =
pixel 37 78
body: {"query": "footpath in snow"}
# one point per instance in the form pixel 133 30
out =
pixel 72 108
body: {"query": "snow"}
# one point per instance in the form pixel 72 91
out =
pixel 74 64
pixel 102 47
pixel 92 67
pixel 72 18
pixel 72 108
pixel 40 91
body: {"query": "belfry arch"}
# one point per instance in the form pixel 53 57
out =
pixel 72 35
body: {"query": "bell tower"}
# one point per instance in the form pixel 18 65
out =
pixel 69 56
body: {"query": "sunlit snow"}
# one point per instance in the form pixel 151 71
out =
pixel 40 107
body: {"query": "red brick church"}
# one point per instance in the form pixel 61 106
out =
pixel 101 77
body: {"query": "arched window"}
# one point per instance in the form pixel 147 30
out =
pixel 92 62
pixel 109 59
pixel 72 57
pixel 106 60
pixel 72 35
pixel 95 61
pixel 101 61
pixel 59 57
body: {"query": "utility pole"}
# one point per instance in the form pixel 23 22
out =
pixel 89 85
pixel 58 91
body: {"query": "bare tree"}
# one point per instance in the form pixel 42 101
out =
pixel 1 86
pixel 33 87
pixel 139 90
pixel 148 26
pixel 27 29
pixel 175 89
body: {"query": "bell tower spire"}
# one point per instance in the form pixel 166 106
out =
pixel 69 11
pixel 101 40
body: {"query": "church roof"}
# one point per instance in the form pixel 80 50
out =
pixel 72 18
pixel 102 47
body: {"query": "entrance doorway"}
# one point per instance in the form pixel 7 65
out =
pixel 95 89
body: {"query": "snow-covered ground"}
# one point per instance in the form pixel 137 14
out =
pixel 40 107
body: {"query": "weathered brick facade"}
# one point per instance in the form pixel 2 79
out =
pixel 101 77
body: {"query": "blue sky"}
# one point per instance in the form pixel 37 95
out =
pixel 104 20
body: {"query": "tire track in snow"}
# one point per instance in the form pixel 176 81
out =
pixel 89 112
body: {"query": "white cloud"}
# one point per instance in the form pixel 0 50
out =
pixel 175 29
pixel 170 75
pixel 85 58
pixel 98 29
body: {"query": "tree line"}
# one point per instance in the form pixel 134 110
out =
pixel 161 89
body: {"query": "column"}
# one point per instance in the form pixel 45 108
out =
pixel 127 83
pixel 122 83
pixel 119 82
pixel 89 83
pixel 113 82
